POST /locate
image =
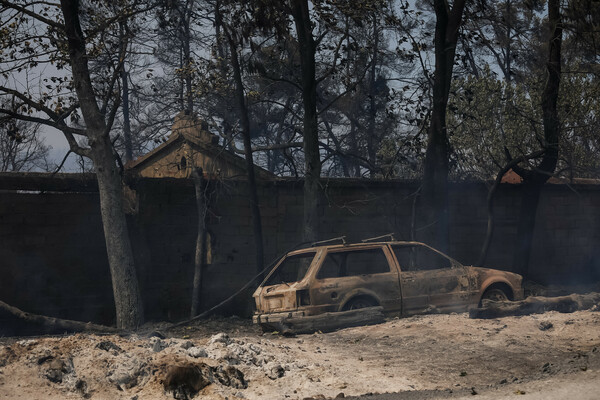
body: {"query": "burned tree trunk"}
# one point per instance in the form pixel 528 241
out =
pixel 125 99
pixel 55 324
pixel 126 117
pixel 129 310
pixel 126 293
pixel 372 137
pixel 490 202
pixel 245 122
pixel 535 305
pixel 200 253
pixel 530 196
pixel 533 180
pixel 434 200
pixel 312 159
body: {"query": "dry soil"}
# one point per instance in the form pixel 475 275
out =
pixel 549 355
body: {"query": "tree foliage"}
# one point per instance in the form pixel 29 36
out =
pixel 379 88
pixel 21 147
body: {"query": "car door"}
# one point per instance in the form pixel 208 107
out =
pixel 429 279
pixel 345 274
pixel 449 288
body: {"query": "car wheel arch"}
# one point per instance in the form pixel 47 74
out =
pixel 357 294
pixel 497 284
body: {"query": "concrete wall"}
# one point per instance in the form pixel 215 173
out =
pixel 53 257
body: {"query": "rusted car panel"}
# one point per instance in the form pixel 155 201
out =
pixel 337 290
pixel 448 289
pixel 488 278
pixel 404 278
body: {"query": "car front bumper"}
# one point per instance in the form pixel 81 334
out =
pixel 273 318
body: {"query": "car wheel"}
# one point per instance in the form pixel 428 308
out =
pixel 360 302
pixel 495 294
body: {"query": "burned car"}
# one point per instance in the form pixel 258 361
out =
pixel 404 278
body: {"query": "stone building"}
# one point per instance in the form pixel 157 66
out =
pixel 190 144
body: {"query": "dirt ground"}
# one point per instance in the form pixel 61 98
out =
pixel 430 356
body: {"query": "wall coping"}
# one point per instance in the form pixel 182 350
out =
pixel 86 182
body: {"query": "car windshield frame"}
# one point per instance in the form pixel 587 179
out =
pixel 277 268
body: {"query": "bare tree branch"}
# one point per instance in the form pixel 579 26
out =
pixel 34 15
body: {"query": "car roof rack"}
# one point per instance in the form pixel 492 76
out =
pixel 340 238
pixel 373 239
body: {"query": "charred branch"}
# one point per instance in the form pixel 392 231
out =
pixel 55 324
pixel 536 305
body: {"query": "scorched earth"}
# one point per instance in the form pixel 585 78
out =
pixel 429 356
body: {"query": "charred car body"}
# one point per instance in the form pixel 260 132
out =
pixel 404 278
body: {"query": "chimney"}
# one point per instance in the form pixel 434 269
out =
pixel 193 127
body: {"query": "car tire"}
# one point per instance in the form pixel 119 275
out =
pixel 495 294
pixel 360 302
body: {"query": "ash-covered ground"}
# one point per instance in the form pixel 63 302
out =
pixel 430 356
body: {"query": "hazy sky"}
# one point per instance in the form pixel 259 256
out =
pixel 57 141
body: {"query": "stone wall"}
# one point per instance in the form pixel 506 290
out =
pixel 54 261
